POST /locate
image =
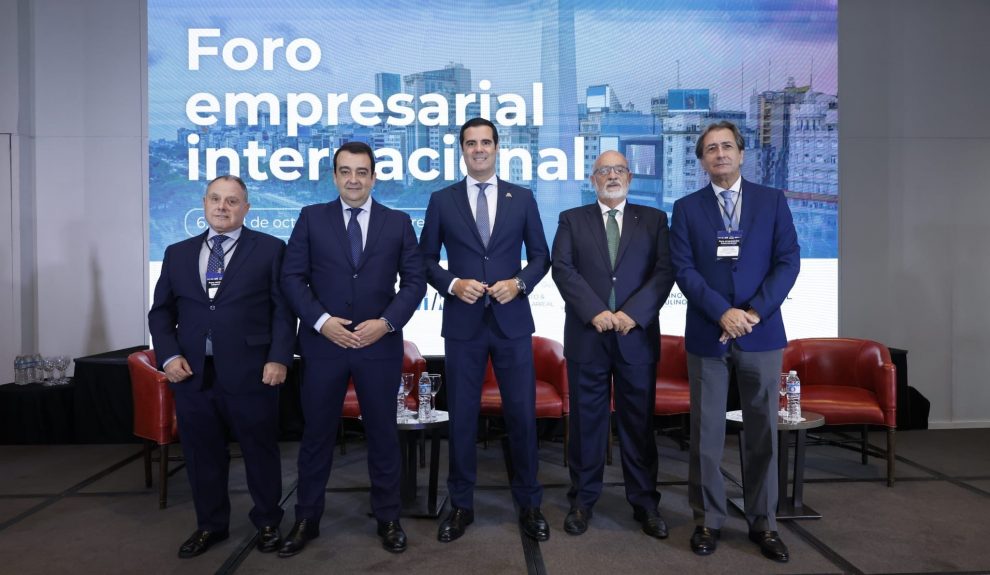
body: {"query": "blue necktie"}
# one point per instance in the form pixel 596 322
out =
pixel 612 236
pixel 730 207
pixel 481 214
pixel 214 265
pixel 354 235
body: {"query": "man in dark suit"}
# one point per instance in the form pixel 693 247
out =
pixel 611 263
pixel 223 334
pixel 339 276
pixel 736 254
pixel 484 222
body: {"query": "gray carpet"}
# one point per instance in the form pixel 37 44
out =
pixel 84 509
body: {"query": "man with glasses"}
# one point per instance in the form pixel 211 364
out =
pixel 339 277
pixel 611 263
pixel 736 253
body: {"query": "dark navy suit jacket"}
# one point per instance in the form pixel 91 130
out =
pixel 450 223
pixel 250 322
pixel 762 277
pixel 642 277
pixel 319 277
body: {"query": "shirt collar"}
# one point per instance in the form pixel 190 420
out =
pixel 366 206
pixel 605 209
pixel 472 183
pixel 735 187
pixel 234 235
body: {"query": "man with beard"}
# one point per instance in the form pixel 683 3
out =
pixel 611 263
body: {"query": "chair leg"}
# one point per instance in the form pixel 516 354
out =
pixel 162 476
pixel 147 463
pixel 488 428
pixel 863 443
pixel 890 456
pixel 342 438
pixel 422 449
pixel 567 436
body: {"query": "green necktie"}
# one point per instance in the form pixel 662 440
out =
pixel 612 235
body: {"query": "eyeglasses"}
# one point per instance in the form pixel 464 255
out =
pixel 619 170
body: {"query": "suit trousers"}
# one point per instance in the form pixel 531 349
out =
pixel 758 378
pixel 466 362
pixel 324 385
pixel 206 417
pixel 634 387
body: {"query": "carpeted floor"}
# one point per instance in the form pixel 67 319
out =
pixel 84 509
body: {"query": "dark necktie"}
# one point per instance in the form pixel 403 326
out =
pixel 730 207
pixel 612 235
pixel 481 214
pixel 214 265
pixel 354 235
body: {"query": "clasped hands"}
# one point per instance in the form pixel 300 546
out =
pixel 178 370
pixel 737 323
pixel 366 333
pixel 502 291
pixel 613 321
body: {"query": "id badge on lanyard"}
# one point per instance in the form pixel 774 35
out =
pixel 728 244
pixel 213 283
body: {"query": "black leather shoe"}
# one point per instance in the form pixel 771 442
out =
pixel 200 541
pixel 704 540
pixel 302 532
pixel 653 524
pixel 393 537
pixel 455 524
pixel 770 545
pixel 534 524
pixel 576 521
pixel 268 539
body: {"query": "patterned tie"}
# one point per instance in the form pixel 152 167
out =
pixel 612 235
pixel 354 235
pixel 481 214
pixel 214 265
pixel 729 208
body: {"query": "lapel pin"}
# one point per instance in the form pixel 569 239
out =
pixel 508 194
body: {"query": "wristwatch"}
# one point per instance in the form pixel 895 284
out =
pixel 388 324
pixel 520 285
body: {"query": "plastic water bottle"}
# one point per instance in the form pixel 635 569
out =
pixel 424 396
pixel 20 371
pixel 793 397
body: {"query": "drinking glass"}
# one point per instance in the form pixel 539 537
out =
pixel 48 365
pixel 782 390
pixel 62 365
pixel 435 383
pixel 405 386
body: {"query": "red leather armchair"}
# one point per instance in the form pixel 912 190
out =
pixel 154 416
pixel 412 362
pixel 850 382
pixel 552 396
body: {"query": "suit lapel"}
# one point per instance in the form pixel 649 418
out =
pixel 630 221
pixel 595 223
pixel 192 260
pixel 710 206
pixel 245 245
pixel 749 207
pixel 503 203
pixel 461 201
pixel 335 217
pixel 376 222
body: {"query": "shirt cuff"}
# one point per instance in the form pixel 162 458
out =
pixel 450 288
pixel 318 326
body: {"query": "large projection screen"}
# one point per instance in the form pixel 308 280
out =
pixel 269 92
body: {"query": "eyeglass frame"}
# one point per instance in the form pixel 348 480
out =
pixel 606 170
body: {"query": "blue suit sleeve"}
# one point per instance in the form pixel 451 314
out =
pixel 692 283
pixel 644 304
pixel 283 320
pixel 537 250
pixel 164 315
pixel 296 269
pixel 574 289
pixel 785 263
pixel 412 278
pixel 430 242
